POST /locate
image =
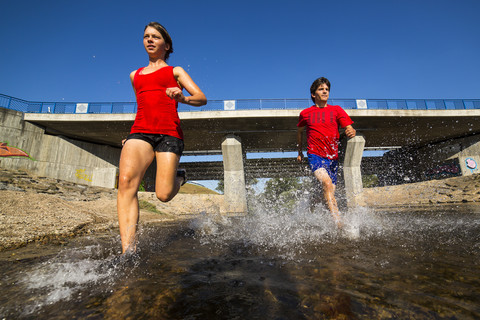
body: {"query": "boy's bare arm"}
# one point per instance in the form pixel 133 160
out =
pixel 299 143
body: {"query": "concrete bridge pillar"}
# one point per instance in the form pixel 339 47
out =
pixel 444 158
pixel 234 176
pixel 351 171
pixel 469 157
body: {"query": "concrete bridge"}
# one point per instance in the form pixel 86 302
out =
pixel 427 132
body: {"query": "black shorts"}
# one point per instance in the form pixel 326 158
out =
pixel 160 142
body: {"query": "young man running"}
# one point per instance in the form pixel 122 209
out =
pixel 322 121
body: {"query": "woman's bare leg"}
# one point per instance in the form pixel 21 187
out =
pixel 167 183
pixel 135 158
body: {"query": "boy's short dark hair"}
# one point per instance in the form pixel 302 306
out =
pixel 163 31
pixel 317 84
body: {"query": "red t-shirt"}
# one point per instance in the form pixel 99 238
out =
pixel 322 129
pixel 156 112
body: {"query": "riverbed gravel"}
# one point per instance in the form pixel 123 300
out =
pixel 44 210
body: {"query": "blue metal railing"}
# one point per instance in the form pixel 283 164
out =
pixel 242 104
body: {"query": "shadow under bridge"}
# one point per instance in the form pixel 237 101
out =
pixel 255 168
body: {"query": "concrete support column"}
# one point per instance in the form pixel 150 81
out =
pixel 234 176
pixel 469 157
pixel 439 159
pixel 351 171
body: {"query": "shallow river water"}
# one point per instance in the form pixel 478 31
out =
pixel 397 264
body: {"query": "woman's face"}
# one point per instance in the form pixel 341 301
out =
pixel 154 43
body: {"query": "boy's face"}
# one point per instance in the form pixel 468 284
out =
pixel 322 93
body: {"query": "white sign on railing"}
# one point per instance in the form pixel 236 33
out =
pixel 228 104
pixel 361 104
pixel 81 108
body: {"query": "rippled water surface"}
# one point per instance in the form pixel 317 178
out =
pixel 401 264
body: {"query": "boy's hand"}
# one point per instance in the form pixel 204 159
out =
pixel 350 132
pixel 300 157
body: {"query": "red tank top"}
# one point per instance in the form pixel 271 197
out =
pixel 156 112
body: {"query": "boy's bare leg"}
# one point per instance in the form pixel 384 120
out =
pixel 329 194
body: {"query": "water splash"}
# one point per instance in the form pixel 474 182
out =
pixel 292 225
pixel 290 230
pixel 277 258
pixel 66 275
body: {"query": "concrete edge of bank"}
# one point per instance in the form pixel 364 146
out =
pixel 27 147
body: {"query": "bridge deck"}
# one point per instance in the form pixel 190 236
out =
pixel 271 130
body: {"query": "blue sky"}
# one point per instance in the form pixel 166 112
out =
pixel 83 51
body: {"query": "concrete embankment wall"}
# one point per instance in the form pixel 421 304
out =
pixel 55 156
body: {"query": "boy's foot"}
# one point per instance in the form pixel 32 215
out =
pixel 338 220
pixel 182 173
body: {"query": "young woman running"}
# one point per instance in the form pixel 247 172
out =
pixel 156 133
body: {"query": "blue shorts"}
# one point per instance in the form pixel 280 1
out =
pixel 317 162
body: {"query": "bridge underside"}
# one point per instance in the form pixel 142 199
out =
pixel 265 168
pixel 271 130
pixel 256 168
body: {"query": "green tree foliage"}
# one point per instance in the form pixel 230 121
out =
pixel 220 187
pixel 250 182
pixel 370 181
pixel 142 186
pixel 284 188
